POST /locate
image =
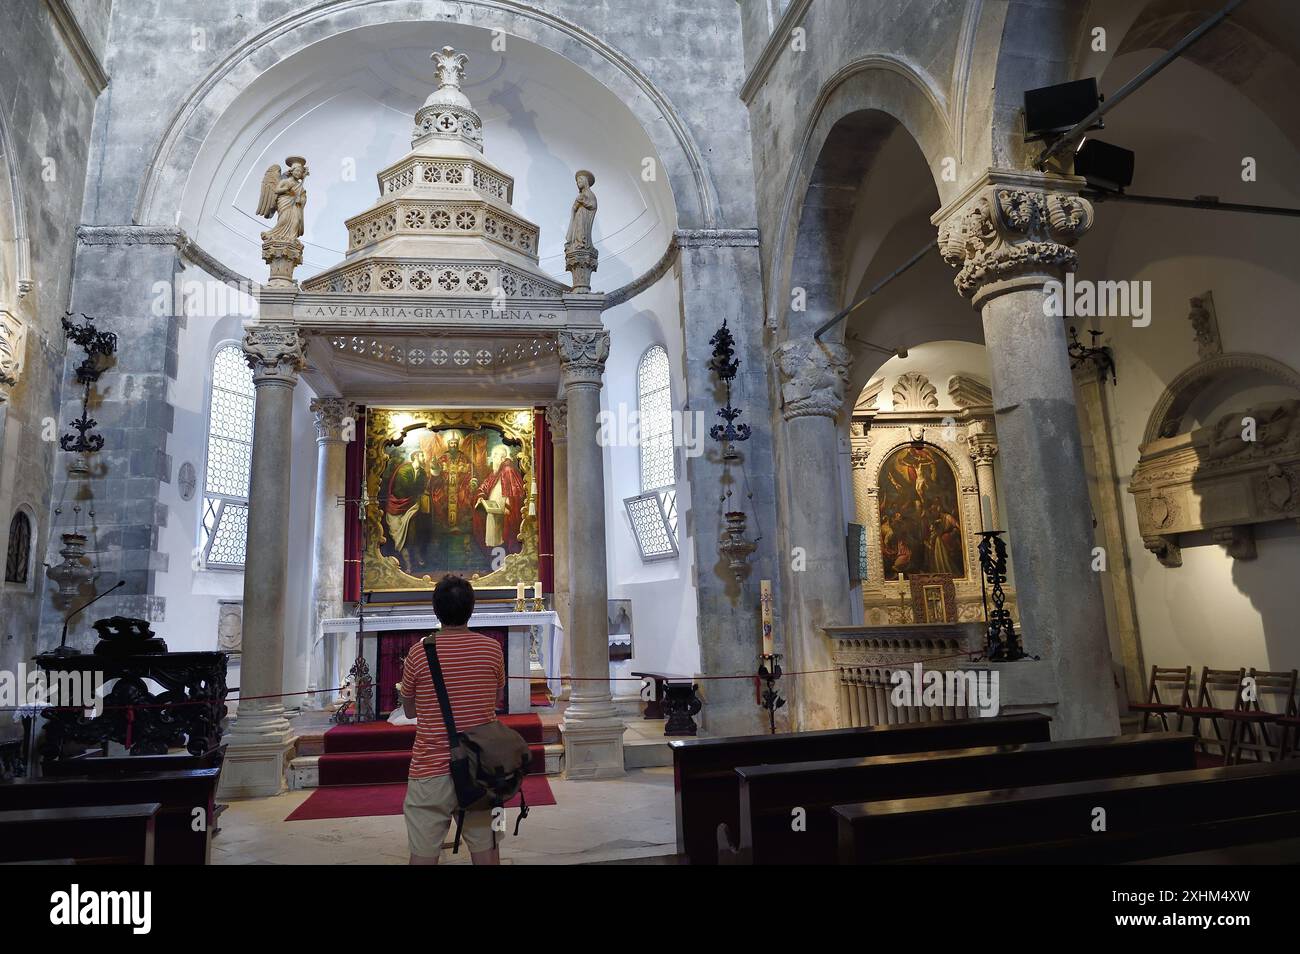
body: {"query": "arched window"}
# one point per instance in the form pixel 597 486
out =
pixel 19 557
pixel 224 531
pixel 654 511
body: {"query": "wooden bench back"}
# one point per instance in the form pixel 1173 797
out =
pixel 708 792
pixel 770 793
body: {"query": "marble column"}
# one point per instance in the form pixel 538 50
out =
pixel 983 444
pixel 557 419
pixel 335 426
pixel 1010 234
pixel 593 730
pixel 260 738
pixel 813 376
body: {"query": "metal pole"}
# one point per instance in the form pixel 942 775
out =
pixel 920 254
pixel 1201 202
pixel 1073 136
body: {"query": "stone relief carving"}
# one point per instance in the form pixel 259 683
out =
pixel 870 396
pixel 13 348
pixel 1015 226
pixel 813 377
pixel 914 392
pixel 230 626
pixel 1226 477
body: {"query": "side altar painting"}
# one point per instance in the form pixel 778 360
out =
pixel 920 520
pixel 450 491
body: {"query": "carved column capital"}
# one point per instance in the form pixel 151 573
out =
pixel 983 447
pixel 582 356
pixel 813 377
pixel 13 347
pixel 1011 230
pixel 331 415
pixel 557 420
pixel 275 353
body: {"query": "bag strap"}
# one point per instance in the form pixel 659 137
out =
pixel 444 700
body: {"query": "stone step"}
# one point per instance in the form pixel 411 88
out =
pixel 304 770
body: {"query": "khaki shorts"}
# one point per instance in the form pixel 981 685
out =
pixel 430 807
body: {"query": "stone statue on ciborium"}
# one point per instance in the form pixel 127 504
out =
pixel 284 195
pixel 580 254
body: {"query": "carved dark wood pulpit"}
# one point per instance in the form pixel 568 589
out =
pixel 189 712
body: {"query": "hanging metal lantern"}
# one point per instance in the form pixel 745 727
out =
pixel 74 572
pixel 735 544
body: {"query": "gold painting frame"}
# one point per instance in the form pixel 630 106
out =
pixel 388 436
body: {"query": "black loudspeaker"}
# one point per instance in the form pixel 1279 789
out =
pixel 1106 167
pixel 1052 110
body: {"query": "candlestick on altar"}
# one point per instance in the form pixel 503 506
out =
pixel 519 597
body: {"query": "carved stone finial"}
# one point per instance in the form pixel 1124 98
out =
pixel 557 419
pixel 275 353
pixel 1013 230
pixel 332 415
pixel 813 377
pixel 582 356
pixel 450 65
pixel 914 392
pixel 580 255
pixel 284 195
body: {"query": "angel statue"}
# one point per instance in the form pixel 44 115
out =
pixel 580 255
pixel 283 195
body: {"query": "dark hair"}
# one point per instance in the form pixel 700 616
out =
pixel 453 600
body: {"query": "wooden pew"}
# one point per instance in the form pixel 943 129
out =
pixel 178 794
pixel 769 793
pixel 110 834
pixel 708 791
pixel 1147 816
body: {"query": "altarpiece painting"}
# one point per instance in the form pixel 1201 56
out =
pixel 920 520
pixel 450 491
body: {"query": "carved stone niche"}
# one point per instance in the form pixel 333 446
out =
pixel 1241 470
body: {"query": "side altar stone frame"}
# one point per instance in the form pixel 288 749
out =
pixel 954 432
pixel 1211 478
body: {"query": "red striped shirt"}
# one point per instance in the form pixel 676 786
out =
pixel 474 671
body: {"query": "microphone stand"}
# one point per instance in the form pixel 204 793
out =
pixel 63 649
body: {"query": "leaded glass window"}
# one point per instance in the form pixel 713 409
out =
pixel 224 528
pixel 654 512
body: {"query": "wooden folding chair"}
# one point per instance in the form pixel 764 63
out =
pixel 1214 685
pixel 1177 692
pixel 1266 698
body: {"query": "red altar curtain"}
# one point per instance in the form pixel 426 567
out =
pixel 545 488
pixel 395 644
pixel 352 530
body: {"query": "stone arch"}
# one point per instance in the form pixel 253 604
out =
pixel 856 110
pixel 1256 50
pixel 15 259
pixel 1167 415
pixel 689 178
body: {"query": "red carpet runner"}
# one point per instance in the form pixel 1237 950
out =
pixel 354 801
pixel 363 769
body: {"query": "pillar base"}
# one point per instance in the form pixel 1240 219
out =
pixel 593 749
pixel 255 769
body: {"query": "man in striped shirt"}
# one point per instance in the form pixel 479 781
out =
pixel 474 671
